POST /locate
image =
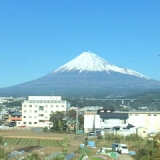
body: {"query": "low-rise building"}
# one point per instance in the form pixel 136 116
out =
pixel 149 120
pixel 106 119
pixel 36 110
pixel 15 116
pixel 122 122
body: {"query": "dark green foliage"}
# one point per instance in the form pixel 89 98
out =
pixel 59 123
pixel 150 151
pixel 45 129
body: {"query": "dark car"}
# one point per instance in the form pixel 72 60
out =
pixel 12 124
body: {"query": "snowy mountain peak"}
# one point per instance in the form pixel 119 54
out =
pixel 90 62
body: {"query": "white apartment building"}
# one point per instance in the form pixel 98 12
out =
pixel 37 109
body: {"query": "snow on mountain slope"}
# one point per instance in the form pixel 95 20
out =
pixel 88 61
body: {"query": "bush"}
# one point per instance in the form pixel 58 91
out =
pixel 45 129
pixel 3 154
pixel 113 137
pixel 33 156
pixel 133 137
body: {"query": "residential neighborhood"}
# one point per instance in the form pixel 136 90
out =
pixel 39 114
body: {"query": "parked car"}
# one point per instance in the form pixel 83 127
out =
pixel 91 134
pixel 115 147
pixel 2 125
pixel 12 124
pixel 122 148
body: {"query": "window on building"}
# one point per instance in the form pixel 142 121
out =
pixel 35 122
pixel 62 106
pixel 24 122
pixel 30 116
pixel 46 117
pixel 149 114
pixel 35 111
pixel 25 105
pixel 57 106
pixel 41 115
pixel 35 106
pixel 41 120
pixel 30 122
pixel 25 111
pixel 24 116
pixel 46 105
pixel 51 105
pixel 155 115
pixel 41 108
pixel 30 105
pixel 35 116
pixel 122 121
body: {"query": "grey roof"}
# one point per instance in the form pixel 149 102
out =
pixel 16 114
pixel 113 115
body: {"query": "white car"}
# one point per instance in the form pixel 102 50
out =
pixel 2 125
pixel 122 148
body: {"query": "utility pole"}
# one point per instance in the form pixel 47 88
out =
pixel 76 120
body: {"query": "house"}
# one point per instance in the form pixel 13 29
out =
pixel 15 116
pixel 36 110
pixel 106 119
pixel 140 122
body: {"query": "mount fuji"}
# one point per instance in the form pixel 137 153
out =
pixel 89 75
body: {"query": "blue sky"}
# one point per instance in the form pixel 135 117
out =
pixel 37 37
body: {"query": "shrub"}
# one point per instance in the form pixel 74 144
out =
pixel 3 154
pixel 33 156
pixel 45 129
pixel 133 137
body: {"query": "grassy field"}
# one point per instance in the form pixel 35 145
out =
pixel 54 142
pixel 32 142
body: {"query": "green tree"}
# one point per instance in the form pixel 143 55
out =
pixel 151 149
pixel 58 120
